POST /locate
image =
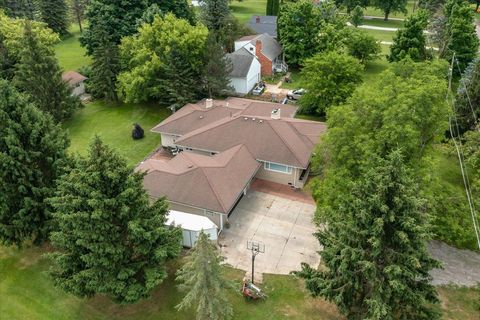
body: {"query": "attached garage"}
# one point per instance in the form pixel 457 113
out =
pixel 192 225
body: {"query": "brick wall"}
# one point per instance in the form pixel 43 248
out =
pixel 264 61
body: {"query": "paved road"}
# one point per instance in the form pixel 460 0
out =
pixel 461 267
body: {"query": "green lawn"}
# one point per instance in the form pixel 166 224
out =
pixel 381 35
pixel 243 10
pixel 26 292
pixel 70 54
pixel 382 23
pixel 371 11
pixel 114 124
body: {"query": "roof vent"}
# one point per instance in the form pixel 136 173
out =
pixel 201 117
pixel 254 119
pixel 226 104
pixel 276 114
pixel 190 166
pixel 261 121
pixel 245 118
pixel 208 103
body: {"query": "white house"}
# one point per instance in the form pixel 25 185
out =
pixel 246 71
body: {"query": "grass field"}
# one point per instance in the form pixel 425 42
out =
pixel 113 123
pixel 70 54
pixel 26 292
pixel 243 10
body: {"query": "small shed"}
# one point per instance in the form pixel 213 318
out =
pixel 76 81
pixel 192 225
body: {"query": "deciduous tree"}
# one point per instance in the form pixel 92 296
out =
pixel 467 103
pixel 110 239
pixel 202 280
pixel 382 272
pixel 410 41
pixel 363 46
pixel 78 8
pixel 55 14
pixel 460 37
pixel 390 6
pixel 39 76
pixel 352 4
pixel 32 149
pixel 329 78
pixel 163 61
pixel 356 16
pixel 180 8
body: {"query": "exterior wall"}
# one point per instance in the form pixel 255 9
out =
pixel 245 85
pixel 168 140
pixel 79 89
pixel 241 44
pixel 279 177
pixel 215 216
pixel 239 85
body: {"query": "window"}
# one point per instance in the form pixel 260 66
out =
pixel 277 168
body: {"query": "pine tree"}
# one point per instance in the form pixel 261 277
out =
pixel 216 16
pixel 38 74
pixel 32 149
pixel 201 278
pixel 467 103
pixel 410 41
pixel 382 272
pixel 105 66
pixel 460 34
pixel 216 80
pixel 19 8
pixel 55 14
pixel 110 239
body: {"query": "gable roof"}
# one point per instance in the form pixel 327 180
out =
pixel 195 116
pixel 267 24
pixel 270 47
pixel 241 62
pixel 73 77
pixel 284 141
pixel 219 179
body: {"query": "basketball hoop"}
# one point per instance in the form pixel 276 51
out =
pixel 256 248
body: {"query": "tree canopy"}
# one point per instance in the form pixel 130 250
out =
pixel 203 283
pixel 410 41
pixel 109 238
pixel 55 14
pixel 383 271
pixel 38 74
pixel 32 149
pixel 163 61
pixel 329 78
pixel 467 102
pixel 390 6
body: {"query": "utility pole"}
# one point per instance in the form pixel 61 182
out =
pixel 256 248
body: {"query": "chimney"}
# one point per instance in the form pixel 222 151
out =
pixel 258 47
pixel 276 114
pixel 208 103
pixel 257 19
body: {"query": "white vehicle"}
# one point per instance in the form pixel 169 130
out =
pixel 296 94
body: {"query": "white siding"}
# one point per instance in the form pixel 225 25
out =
pixel 245 85
pixel 168 140
pixel 239 85
pixel 79 89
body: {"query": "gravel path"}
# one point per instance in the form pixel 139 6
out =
pixel 461 267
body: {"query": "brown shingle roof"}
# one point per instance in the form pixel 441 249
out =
pixel 195 116
pixel 72 77
pixel 213 183
pixel 286 141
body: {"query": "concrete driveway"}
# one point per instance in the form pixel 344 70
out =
pixel 283 225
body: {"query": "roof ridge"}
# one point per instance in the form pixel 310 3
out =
pixel 285 141
pixel 213 189
pixel 212 125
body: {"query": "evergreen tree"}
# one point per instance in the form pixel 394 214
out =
pixel 55 14
pixel 38 74
pixel 149 15
pixel 273 7
pixel 382 272
pixel 32 149
pixel 216 15
pixel 119 17
pixel 217 68
pixel 105 66
pixel 201 277
pixel 110 239
pixel 410 40
pixel 180 8
pixel 467 103
pixel 390 6
pixel 19 8
pixel 460 34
